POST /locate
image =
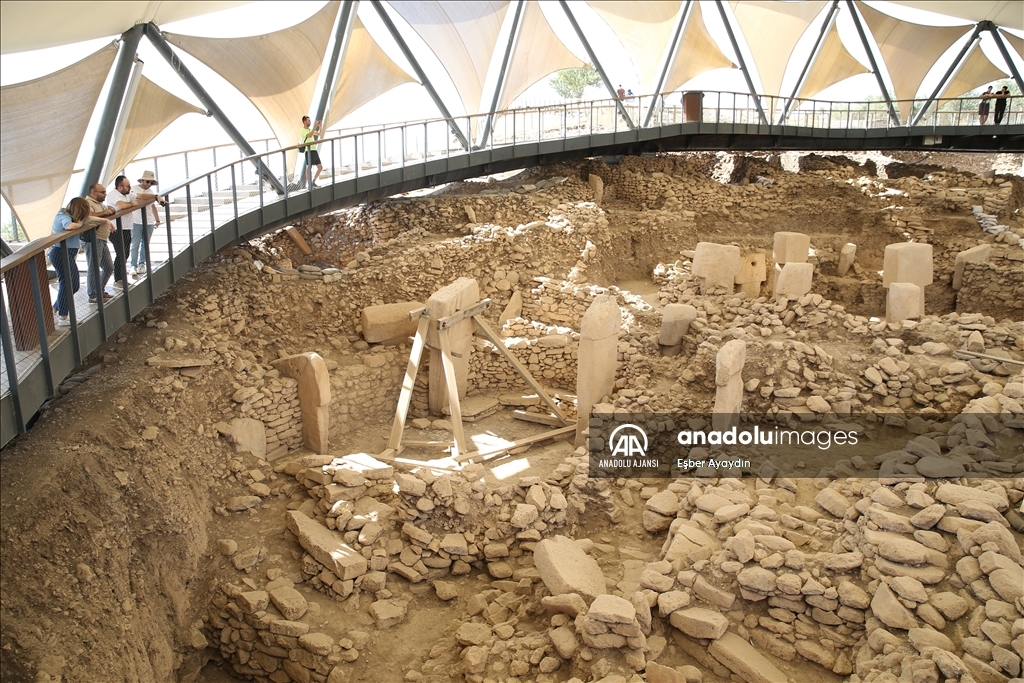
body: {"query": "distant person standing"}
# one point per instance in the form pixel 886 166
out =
pixel 621 92
pixel 96 251
pixel 68 279
pixel 983 105
pixel 123 197
pixel 309 135
pixel 1001 97
pixel 138 249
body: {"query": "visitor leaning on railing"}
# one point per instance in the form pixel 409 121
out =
pixel 62 256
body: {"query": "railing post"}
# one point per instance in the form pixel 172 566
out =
pixel 191 234
pixel 37 303
pixel 11 365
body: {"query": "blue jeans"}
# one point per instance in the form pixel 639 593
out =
pixel 64 296
pixel 104 262
pixel 138 254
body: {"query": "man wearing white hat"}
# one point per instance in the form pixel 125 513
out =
pixel 138 249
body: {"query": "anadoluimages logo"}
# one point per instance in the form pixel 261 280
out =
pixel 628 441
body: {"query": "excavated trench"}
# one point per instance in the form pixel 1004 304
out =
pixel 160 522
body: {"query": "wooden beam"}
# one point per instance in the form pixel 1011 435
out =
pixel 537 417
pixel 459 316
pixel 487 455
pixel 453 392
pixel 520 368
pixel 405 397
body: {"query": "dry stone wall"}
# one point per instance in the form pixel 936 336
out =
pixel 992 286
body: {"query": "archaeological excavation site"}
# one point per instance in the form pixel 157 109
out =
pixel 676 418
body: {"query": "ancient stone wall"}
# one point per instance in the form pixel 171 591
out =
pixel 274 402
pixel 997 289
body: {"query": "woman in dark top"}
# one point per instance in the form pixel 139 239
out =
pixel 983 105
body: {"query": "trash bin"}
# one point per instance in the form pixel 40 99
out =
pixel 692 106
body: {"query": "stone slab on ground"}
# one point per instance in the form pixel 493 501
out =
pixel 565 568
pixel 698 622
pixel 327 548
pixel 744 660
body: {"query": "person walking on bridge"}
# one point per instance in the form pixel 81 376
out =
pixel 309 135
pixel 97 256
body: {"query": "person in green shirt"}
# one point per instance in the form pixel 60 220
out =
pixel 307 135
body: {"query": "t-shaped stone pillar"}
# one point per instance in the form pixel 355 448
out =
pixel 908 262
pixel 446 301
pixel 753 271
pixel 716 264
pixel 729 384
pixel 791 247
pixel 599 340
pixel 310 370
pixel 978 254
pixel 794 280
pixel 903 302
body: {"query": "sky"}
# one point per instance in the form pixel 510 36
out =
pixel 410 101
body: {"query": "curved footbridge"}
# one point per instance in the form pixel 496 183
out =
pixel 255 195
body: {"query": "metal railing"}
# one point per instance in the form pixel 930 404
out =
pixel 230 202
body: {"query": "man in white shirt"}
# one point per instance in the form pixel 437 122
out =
pixel 146 185
pixel 122 197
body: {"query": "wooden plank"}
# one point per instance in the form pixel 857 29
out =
pixel 405 397
pixel 415 463
pixel 487 455
pixel 520 368
pixel 539 418
pixel 459 316
pixel 417 313
pixel 453 393
pixel 299 240
pixel 439 445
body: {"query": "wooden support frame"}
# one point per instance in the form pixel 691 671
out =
pixel 459 447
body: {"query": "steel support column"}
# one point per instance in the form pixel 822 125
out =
pixel 342 33
pixel 893 116
pixel 994 30
pixel 161 45
pixel 810 60
pixel 112 106
pixel 597 65
pixel 743 63
pixel 420 73
pixel 671 49
pixel 949 73
pixel 499 87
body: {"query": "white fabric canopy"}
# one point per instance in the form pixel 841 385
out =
pixel 909 50
pixel 833 64
pixel 366 72
pixel 1015 41
pixel 152 109
pixel 697 53
pixel 276 71
pixel 463 35
pixel 999 12
pixel 44 122
pixel 645 29
pixel 33 25
pixel 772 30
pixel 537 53
pixel 976 70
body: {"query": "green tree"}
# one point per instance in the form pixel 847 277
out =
pixel 570 83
